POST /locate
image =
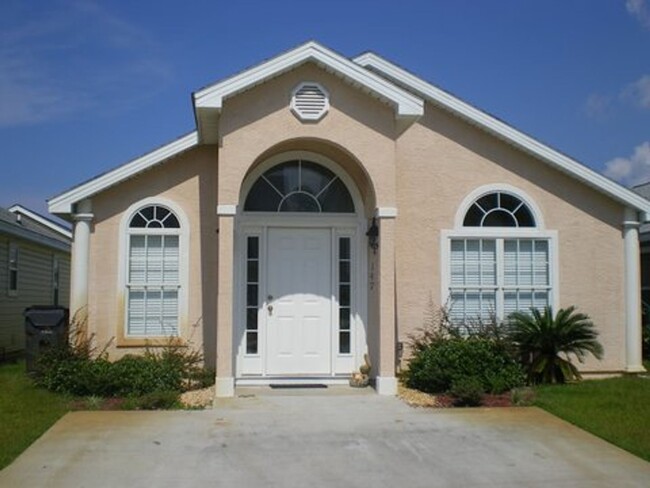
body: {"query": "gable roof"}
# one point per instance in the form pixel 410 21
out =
pixel 209 100
pixel 388 82
pixel 13 223
pixel 42 221
pixel 504 132
pixel 62 204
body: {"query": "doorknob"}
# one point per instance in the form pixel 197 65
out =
pixel 270 309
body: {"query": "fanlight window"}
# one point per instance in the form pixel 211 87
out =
pixel 299 186
pixel 154 217
pixel 499 209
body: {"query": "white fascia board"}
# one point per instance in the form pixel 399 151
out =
pixel 506 132
pixel 19 209
pixel 406 104
pixel 62 204
pixel 31 236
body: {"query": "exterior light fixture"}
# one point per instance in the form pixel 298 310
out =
pixel 373 236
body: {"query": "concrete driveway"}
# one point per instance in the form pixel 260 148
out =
pixel 315 439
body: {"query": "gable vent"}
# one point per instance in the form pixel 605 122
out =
pixel 310 101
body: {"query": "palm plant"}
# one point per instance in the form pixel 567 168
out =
pixel 548 342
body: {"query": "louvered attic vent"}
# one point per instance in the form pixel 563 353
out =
pixel 310 101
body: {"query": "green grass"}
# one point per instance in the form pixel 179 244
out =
pixel 616 409
pixel 26 411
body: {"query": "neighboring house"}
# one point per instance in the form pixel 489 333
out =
pixel 644 235
pixel 319 206
pixel 34 270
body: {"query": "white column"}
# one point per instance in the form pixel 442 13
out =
pixel 386 381
pixel 80 258
pixel 633 362
pixel 225 381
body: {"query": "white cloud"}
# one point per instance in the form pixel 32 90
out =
pixel 639 92
pixel 632 170
pixel 72 57
pixel 640 9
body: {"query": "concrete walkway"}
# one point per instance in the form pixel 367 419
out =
pixel 319 439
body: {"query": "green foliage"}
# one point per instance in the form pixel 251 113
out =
pixel 615 409
pixel 548 342
pixel 523 397
pixel 467 391
pixel 74 369
pixel 155 400
pixel 26 411
pixel 445 361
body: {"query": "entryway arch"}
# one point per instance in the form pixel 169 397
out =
pixel 301 272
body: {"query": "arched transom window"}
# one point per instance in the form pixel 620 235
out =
pixel 498 261
pixel 153 272
pixel 299 186
pixel 499 209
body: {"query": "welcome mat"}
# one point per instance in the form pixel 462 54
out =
pixel 294 386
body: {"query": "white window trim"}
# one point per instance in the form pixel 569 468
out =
pixel 500 234
pixel 13 247
pixel 481 191
pixel 183 244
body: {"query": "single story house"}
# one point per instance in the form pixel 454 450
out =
pixel 35 270
pixel 318 207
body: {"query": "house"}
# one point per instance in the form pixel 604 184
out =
pixel 320 204
pixel 644 237
pixel 35 270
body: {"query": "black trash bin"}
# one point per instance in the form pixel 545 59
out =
pixel 45 327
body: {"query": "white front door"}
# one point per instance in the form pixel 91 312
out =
pixel 299 302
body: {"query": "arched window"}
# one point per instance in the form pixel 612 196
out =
pixel 299 186
pixel 153 274
pixel 499 259
pixel 499 209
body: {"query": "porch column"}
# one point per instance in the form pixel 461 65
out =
pixel 633 363
pixel 386 382
pixel 225 382
pixel 79 263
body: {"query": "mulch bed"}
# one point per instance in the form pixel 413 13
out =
pixel 417 398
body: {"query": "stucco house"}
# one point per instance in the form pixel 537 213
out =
pixel 317 208
pixel 35 270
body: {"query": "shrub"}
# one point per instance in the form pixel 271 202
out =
pixel 77 370
pixel 523 397
pixel 155 400
pixel 467 391
pixel 435 368
pixel 549 341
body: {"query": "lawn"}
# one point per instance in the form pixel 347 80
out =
pixel 616 409
pixel 26 411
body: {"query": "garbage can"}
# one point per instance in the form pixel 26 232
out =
pixel 45 327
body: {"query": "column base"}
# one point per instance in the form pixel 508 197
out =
pixel 635 369
pixel 225 387
pixel 386 385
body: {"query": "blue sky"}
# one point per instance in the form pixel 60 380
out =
pixel 87 85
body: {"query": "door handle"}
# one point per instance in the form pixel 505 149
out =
pixel 270 309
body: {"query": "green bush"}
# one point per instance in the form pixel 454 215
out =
pixel 467 391
pixel 435 368
pixel 75 370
